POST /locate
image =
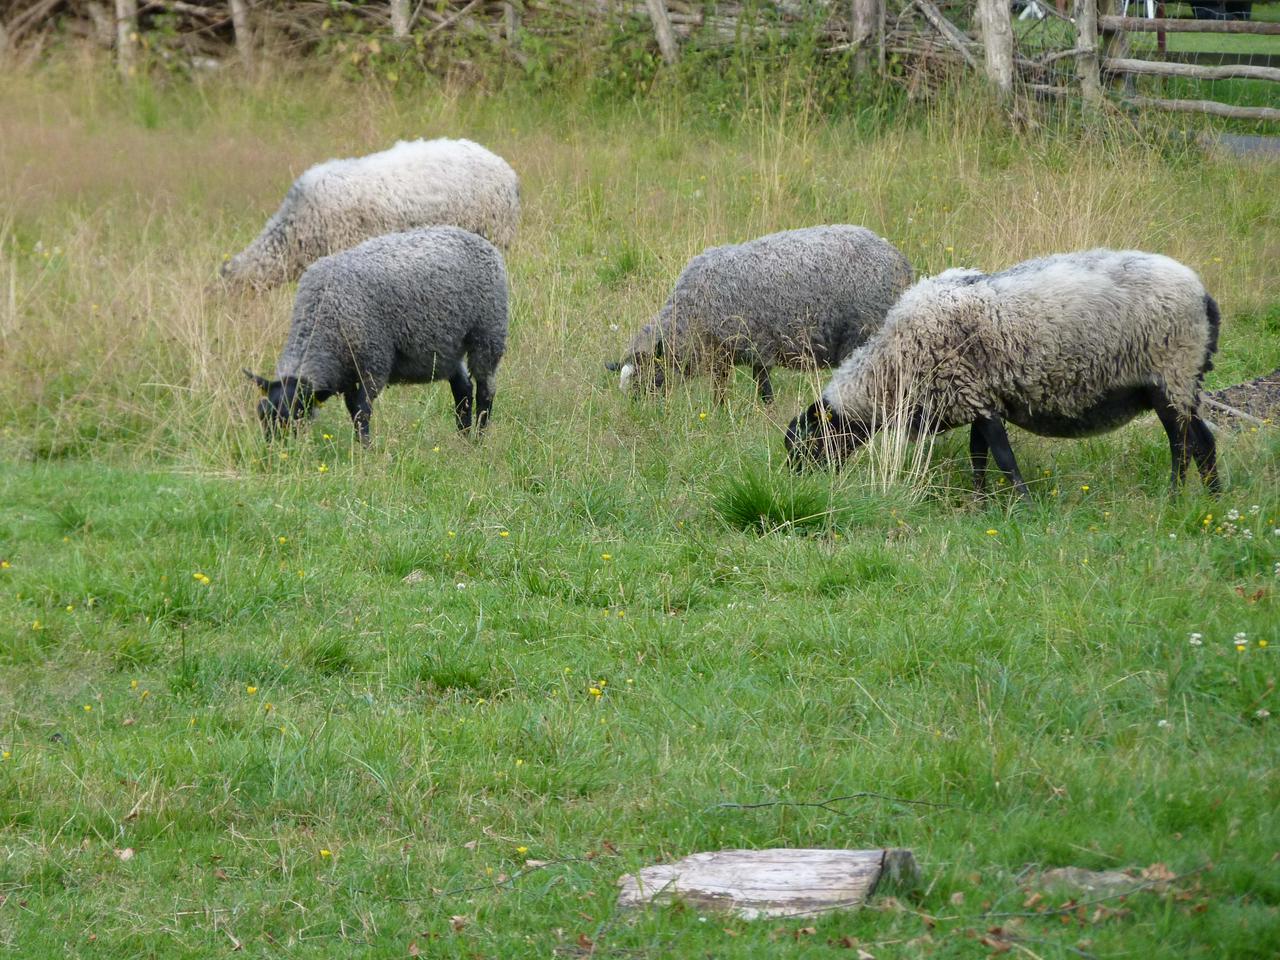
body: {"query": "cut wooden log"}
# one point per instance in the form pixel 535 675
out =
pixel 773 883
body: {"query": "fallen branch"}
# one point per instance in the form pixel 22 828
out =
pixel 950 32
pixel 1219 405
pixel 451 19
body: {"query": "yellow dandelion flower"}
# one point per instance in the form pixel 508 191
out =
pixel 1240 647
pixel 145 694
pixel 702 415
pixel 4 564
pixel 4 755
pixel 595 692
pixel 451 534
pixel 621 614
pixel 435 449
pixel 323 468
pixel 519 762
pixel 268 707
pixel 325 853
pixel 1084 488
pixel 992 532
pixel 282 539
pixel 606 556
pixel 251 690
pixel 133 684
pixel 1262 643
pixel 522 850
pixel 284 455
pixel 630 682
pixel 88 708
pixel 504 533
pixel 951 249
pixel 70 607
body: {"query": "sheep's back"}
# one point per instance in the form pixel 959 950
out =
pixel 430 291
pixel 790 297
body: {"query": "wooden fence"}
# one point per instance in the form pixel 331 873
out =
pixel 919 43
pixel 1102 48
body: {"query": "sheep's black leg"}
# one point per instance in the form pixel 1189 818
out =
pixel 484 401
pixel 360 406
pixel 764 387
pixel 978 450
pixel 1178 431
pixel 1204 449
pixel 992 431
pixel 460 383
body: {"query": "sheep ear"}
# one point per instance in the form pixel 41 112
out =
pixel 263 383
pixel 613 366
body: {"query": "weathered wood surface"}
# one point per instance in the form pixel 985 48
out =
pixel 1142 25
pixel 950 32
pixel 1086 12
pixel 126 36
pixel 997 43
pixel 1244 71
pixel 662 30
pixel 1206 106
pixel 772 883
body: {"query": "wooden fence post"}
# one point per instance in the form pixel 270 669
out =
pixel 1086 17
pixel 244 39
pixel 662 28
pixel 864 27
pixel 400 19
pixel 1115 45
pixel 997 42
pixel 510 21
pixel 126 37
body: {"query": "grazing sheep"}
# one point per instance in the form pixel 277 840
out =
pixel 415 307
pixel 337 204
pixel 1064 346
pixel 800 298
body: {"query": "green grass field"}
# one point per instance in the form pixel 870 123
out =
pixel 435 697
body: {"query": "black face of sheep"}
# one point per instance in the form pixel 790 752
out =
pixel 284 405
pixel 823 437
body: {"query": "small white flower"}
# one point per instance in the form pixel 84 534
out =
pixel 1276 532
pixel 1246 533
pixel 1263 713
pixel 1173 536
pixel 1241 637
pixel 1163 724
pixel 1233 514
pixel 1195 640
pixel 613 327
pixel 462 586
pixel 1254 509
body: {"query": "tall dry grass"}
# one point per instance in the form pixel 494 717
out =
pixel 116 207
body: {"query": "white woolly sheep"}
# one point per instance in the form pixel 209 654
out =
pixel 800 298
pixel 419 183
pixel 1065 346
pixel 415 307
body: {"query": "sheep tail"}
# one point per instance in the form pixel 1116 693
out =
pixel 1214 317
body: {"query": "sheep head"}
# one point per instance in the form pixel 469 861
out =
pixel 823 436
pixel 285 403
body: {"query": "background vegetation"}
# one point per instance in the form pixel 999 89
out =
pixel 433 698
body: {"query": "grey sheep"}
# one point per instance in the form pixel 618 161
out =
pixel 1065 346
pixel 337 204
pixel 415 307
pixel 799 298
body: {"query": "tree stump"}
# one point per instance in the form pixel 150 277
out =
pixel 773 883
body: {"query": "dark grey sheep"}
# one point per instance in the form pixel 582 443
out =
pixel 800 298
pixel 1065 346
pixel 415 307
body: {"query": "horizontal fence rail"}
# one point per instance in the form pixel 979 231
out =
pixel 1257 28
